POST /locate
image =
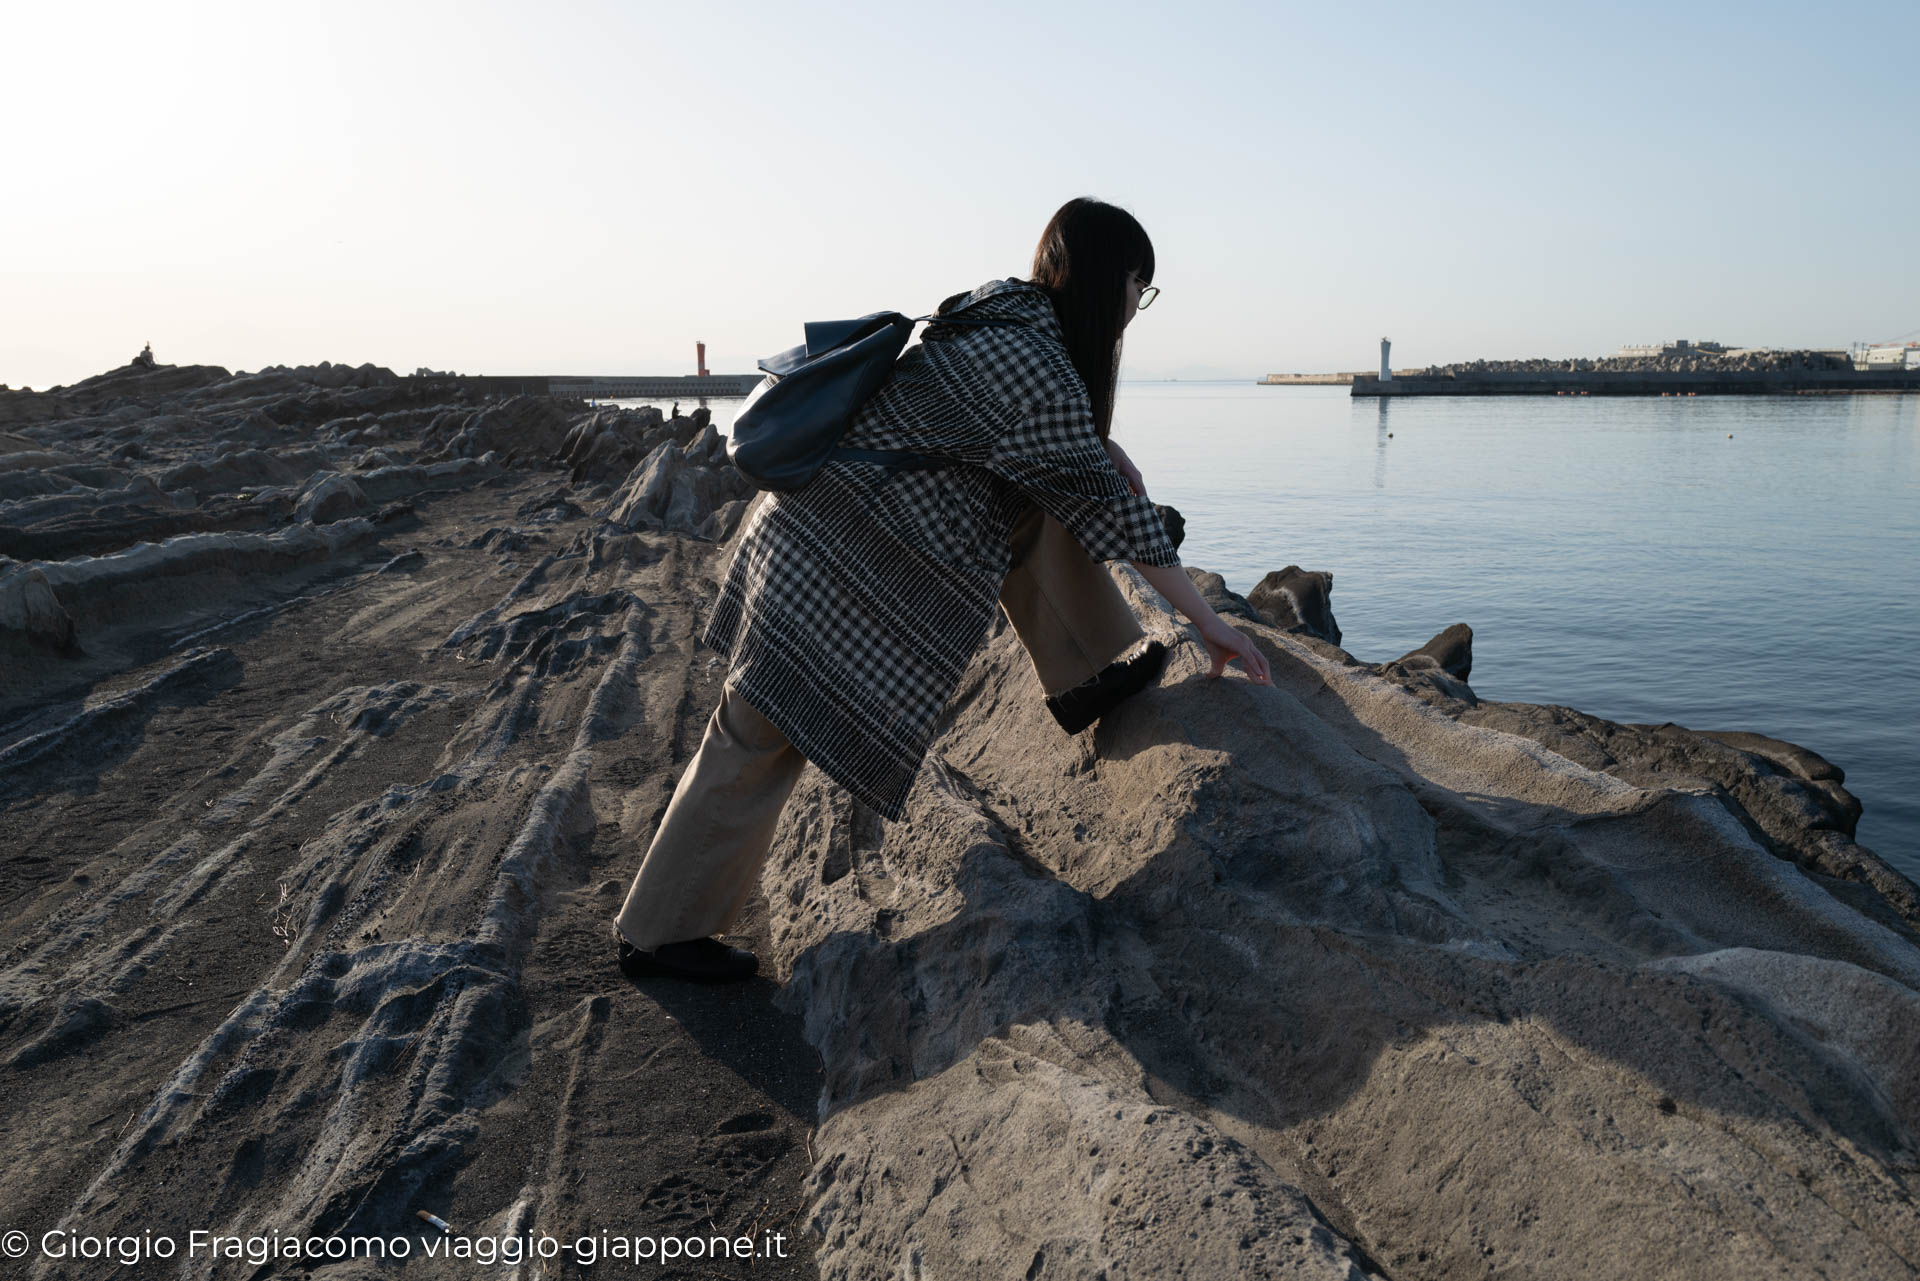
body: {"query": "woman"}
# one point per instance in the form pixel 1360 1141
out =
pixel 853 605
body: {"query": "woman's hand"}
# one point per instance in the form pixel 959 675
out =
pixel 1126 467
pixel 1226 644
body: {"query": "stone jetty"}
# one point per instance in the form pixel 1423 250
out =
pixel 1692 372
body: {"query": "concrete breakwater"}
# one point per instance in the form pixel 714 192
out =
pixel 1701 382
pixel 616 386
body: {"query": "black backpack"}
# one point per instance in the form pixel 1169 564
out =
pixel 793 421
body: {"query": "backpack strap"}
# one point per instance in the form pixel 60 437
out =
pixel 902 459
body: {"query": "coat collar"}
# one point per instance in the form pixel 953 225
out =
pixel 1010 299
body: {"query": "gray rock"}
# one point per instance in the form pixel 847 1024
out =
pixel 708 449
pixel 1790 797
pixel 524 428
pixel 642 501
pixel 1451 651
pixel 29 609
pixel 608 444
pixel 30 482
pixel 1213 590
pixel 720 526
pixel 333 497
pixel 685 511
pixel 242 470
pixel 384 484
pixel 1442 665
pixel 371 459
pixel 1296 599
pixel 34 460
pixel 188 570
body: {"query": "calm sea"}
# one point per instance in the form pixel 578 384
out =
pixel 1745 563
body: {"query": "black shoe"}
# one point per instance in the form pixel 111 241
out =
pixel 702 960
pixel 1088 701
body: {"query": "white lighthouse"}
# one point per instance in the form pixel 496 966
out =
pixel 1386 370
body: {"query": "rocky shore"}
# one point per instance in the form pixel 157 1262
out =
pixel 335 711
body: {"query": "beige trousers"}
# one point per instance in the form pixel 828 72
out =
pixel 706 857
pixel 1065 608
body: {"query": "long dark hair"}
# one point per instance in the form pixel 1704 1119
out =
pixel 1082 262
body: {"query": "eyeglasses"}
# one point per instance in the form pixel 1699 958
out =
pixel 1147 293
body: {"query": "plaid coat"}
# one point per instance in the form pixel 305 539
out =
pixel 853 605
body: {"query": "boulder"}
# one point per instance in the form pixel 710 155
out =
pixel 1442 664
pixel 607 444
pixel 1213 590
pixel 29 610
pixel 524 428
pixel 1295 599
pixel 642 501
pixel 373 458
pixel 708 448
pixel 720 526
pixel 667 491
pixel 333 497
pixel 1451 651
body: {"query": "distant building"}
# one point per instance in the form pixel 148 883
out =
pixel 1678 347
pixel 1879 356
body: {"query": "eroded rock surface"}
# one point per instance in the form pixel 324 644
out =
pixel 1480 1007
pixel 153 498
pixel 313 823
pixel 313 829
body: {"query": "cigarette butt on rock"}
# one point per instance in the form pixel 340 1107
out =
pixel 434 1219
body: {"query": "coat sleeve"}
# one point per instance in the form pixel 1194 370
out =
pixel 1054 455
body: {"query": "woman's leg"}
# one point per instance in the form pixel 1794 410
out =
pixel 705 859
pixel 1065 607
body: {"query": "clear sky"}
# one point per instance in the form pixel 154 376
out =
pixel 589 187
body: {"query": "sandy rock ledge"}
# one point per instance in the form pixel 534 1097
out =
pixel 1330 980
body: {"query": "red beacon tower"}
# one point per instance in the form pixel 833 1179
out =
pixel 700 358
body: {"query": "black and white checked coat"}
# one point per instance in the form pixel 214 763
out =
pixel 853 605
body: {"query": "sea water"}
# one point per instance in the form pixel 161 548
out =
pixel 1734 562
pixel 1729 562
